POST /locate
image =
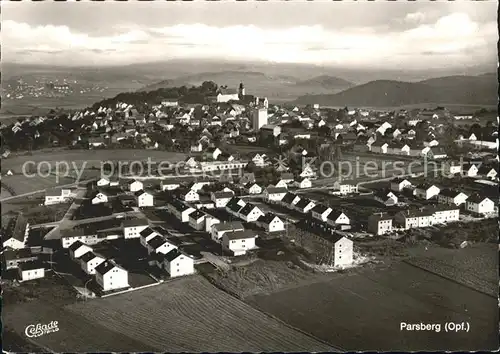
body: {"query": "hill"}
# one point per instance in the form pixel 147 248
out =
pixel 273 86
pixel 327 82
pixel 480 90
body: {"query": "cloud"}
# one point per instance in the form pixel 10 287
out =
pixel 453 35
pixel 415 17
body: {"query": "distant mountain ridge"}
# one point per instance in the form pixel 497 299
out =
pixel 458 89
pixel 326 81
pixel 259 83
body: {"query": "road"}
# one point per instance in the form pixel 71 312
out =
pixel 66 223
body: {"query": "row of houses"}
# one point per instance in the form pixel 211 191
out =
pixel 476 203
pixel 431 152
pixel 28 264
pixel 382 223
pixel 108 275
pixel 319 211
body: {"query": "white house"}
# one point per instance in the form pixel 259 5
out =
pixel 196 147
pixel 281 184
pixel 343 251
pixel 110 276
pixel 159 244
pixel 470 170
pixel 379 147
pixel 146 235
pixel 451 197
pixel 135 186
pixel 250 213
pixel 386 198
pixel 452 168
pixel 132 228
pixel 238 242
pixel 307 172
pixel 380 223
pixel 210 220
pixel 304 205
pixel 219 229
pixel 103 182
pixel 247 178
pixel 337 217
pixel 303 183
pixel 431 143
pixel 287 177
pixel 489 172
pixel 100 197
pixel 191 162
pixel 212 153
pixel 180 210
pixel 253 188
pixel 289 200
pixel 31 270
pixel 480 205
pixel 168 185
pixel 436 153
pixel 144 199
pixel 235 205
pixel 382 128
pixel 15 241
pixel 274 194
pixel 190 196
pixel 259 160
pixel 443 214
pixel 56 196
pixel 90 260
pixel 78 249
pixel 426 191
pixel 271 223
pixel 321 212
pixel 344 188
pixel 178 264
pixel 197 220
pixel 221 198
pixel 409 219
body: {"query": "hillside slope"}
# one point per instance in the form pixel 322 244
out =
pixel 327 82
pixel 259 84
pixel 482 89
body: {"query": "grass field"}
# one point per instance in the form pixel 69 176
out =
pixel 91 157
pixel 363 311
pixel 186 315
pixel 22 184
pixel 475 266
pixel 83 158
pixel 260 277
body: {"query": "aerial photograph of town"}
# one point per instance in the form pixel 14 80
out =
pixel 203 176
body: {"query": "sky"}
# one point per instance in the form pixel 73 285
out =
pixel 414 35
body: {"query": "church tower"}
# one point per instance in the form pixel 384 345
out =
pixel 241 91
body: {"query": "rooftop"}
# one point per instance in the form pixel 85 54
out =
pixel 275 190
pixel 106 266
pixel 31 265
pixel 303 203
pixel 227 226
pixel 239 235
pixel 267 218
pixel 135 222
pixel 157 242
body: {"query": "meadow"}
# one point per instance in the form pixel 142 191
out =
pixel 184 315
pixel 475 266
pixel 363 310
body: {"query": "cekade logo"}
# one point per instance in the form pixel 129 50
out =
pixel 39 329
